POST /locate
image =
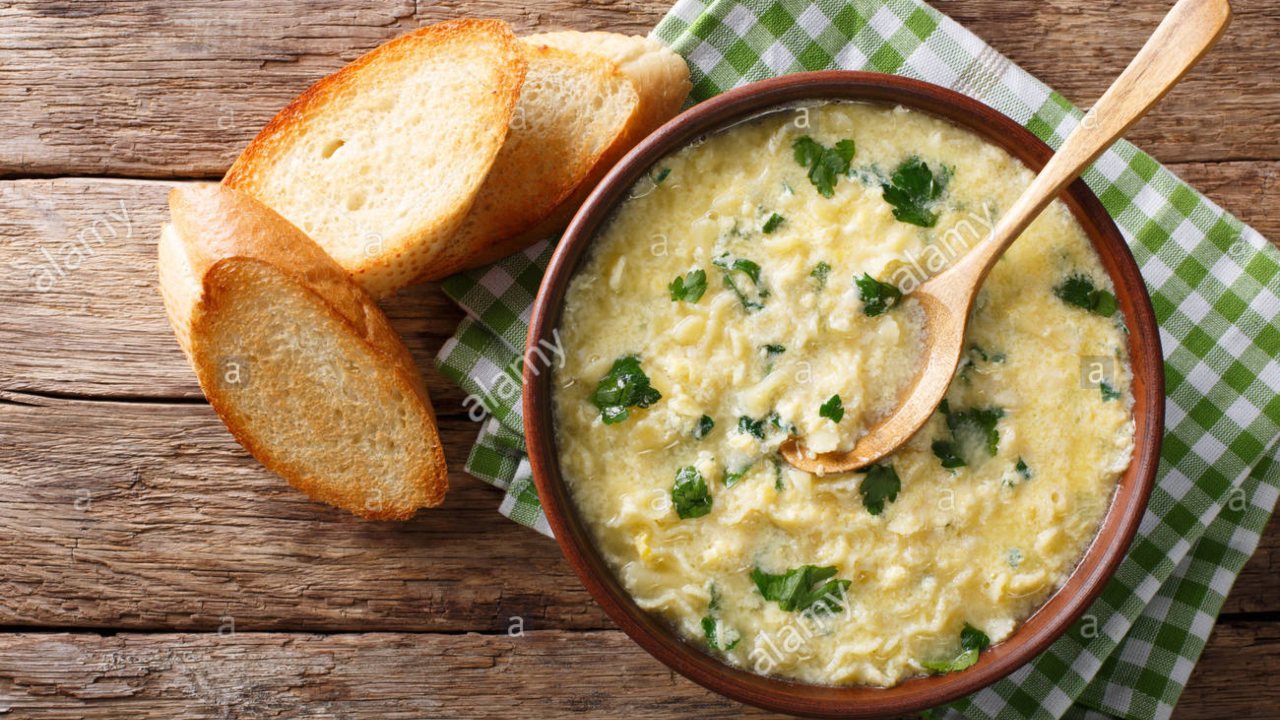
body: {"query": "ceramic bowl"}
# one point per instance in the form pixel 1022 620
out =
pixel 1046 624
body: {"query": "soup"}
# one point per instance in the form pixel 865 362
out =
pixel 757 286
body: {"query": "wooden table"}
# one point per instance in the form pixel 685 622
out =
pixel 153 569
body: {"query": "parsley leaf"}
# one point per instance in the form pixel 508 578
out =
pixel 689 494
pixel 661 175
pixel 972 642
pixel 731 477
pixel 912 190
pixel 877 297
pixel 625 386
pixel 776 420
pixel 1108 393
pixel 690 287
pixel 799 589
pixel 772 223
pixel 946 451
pixel 751 426
pixel 820 273
pixel 1023 470
pixel 983 420
pixel 770 352
pixel 709 626
pixel 880 485
pixel 729 266
pixel 1079 291
pixel 832 409
pixel 703 428
pixel 826 165
pixel 807 151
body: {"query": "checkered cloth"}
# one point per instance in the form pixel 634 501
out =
pixel 1213 282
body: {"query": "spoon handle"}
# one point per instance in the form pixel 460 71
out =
pixel 1185 35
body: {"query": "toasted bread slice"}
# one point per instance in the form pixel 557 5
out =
pixel 380 162
pixel 659 79
pixel 659 75
pixel 296 359
pixel 572 111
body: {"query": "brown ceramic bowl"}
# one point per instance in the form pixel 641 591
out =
pixel 1042 628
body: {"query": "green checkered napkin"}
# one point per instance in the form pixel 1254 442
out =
pixel 1215 285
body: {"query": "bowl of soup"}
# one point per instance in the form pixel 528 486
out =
pixel 743 277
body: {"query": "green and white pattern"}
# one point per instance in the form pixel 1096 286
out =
pixel 1214 282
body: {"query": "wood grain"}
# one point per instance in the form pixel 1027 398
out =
pixel 161 89
pixel 253 676
pixel 168 89
pixel 391 675
pixel 82 312
pixel 83 316
pixel 150 516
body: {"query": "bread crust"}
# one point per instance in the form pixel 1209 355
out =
pixel 223 229
pixel 660 78
pixel 501 214
pixel 403 258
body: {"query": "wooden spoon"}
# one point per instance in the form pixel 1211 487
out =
pixel 1185 35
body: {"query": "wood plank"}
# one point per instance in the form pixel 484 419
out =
pixel 1235 677
pixel 1257 589
pixel 176 89
pixel 388 675
pixel 165 89
pixel 82 312
pixel 150 516
pixel 1078 48
pixel 370 675
pixel 83 317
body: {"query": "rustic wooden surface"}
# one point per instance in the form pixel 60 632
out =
pixel 152 569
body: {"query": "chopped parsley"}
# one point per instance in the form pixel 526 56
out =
pixel 661 175
pixel 972 642
pixel 770 352
pixel 733 266
pixel 689 288
pixel 751 426
pixel 1015 557
pixel 877 297
pixel 1108 393
pixel 1023 470
pixel 832 409
pixel 772 223
pixel 880 485
pixel 731 477
pixel 689 494
pixel 625 386
pixel 825 164
pixel 730 637
pixel 799 589
pixel 976 349
pixel 946 451
pixel 912 191
pixel 776 420
pixel 820 273
pixel 982 420
pixel 703 428
pixel 777 472
pixel 716 631
pixel 1079 291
